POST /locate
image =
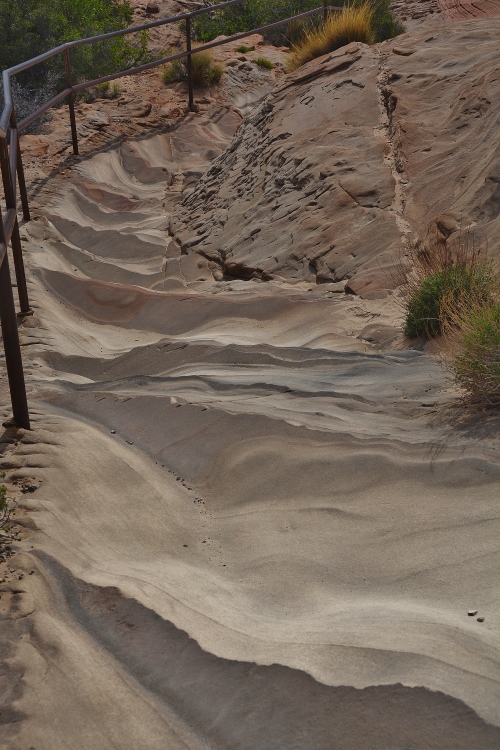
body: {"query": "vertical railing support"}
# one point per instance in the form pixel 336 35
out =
pixel 10 202
pixel 10 335
pixel 189 65
pixel 71 102
pixel 20 173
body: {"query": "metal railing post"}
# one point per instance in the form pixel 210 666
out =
pixel 71 102
pixel 10 335
pixel 189 64
pixel 19 167
pixel 22 184
pixel 10 202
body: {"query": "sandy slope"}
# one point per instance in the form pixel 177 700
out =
pixel 258 522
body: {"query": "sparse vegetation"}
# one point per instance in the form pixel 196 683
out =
pixel 455 292
pixel 101 91
pixel 251 15
pixel 352 24
pixel 205 72
pixel 242 49
pixel 263 62
pixel 438 278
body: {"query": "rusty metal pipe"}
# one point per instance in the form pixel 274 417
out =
pixel 16 166
pixel 71 102
pixel 189 64
pixel 10 335
pixel 10 200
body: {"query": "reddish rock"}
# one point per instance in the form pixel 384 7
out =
pixel 34 145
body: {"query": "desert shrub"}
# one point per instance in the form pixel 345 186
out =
pixel 475 359
pixel 243 48
pixel 205 71
pixel 263 62
pixel 438 279
pixel 352 24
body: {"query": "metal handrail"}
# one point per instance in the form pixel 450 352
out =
pixel 13 172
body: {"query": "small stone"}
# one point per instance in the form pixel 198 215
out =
pixel 152 7
pixel 480 619
pixel 472 612
pixel 113 432
pixel 184 545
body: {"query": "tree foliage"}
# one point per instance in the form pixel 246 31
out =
pixel 30 27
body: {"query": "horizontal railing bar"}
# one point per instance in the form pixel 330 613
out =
pixel 35 115
pixel 112 35
pixel 128 72
pixel 8 223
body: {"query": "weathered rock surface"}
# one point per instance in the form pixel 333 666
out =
pixel 353 155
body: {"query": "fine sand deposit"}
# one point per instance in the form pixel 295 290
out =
pixel 260 518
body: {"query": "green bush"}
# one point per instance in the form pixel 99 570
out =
pixel 263 62
pixel 429 308
pixel 30 27
pixel 243 48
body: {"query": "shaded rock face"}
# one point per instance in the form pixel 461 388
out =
pixel 353 156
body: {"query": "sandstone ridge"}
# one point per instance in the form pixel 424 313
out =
pixel 353 156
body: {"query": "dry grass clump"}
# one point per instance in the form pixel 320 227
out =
pixel 352 24
pixel 475 351
pixel 455 293
pixel 205 72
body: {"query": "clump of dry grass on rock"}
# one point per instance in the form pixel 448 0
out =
pixel 352 24
pixel 454 292
pixel 473 342
pixel 205 72
pixel 437 277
